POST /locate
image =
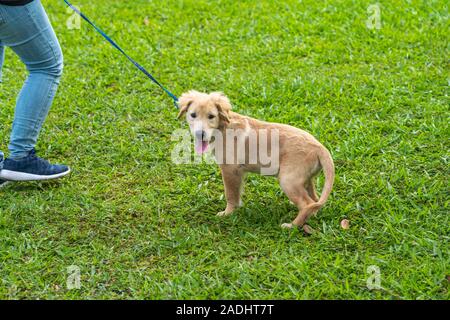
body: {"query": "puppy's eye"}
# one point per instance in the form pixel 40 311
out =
pixel 193 115
pixel 211 116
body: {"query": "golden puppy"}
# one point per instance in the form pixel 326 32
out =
pixel 242 144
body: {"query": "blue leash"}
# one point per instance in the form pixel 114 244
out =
pixel 115 45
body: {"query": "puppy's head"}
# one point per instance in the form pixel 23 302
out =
pixel 204 113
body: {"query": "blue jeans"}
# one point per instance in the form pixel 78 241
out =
pixel 28 32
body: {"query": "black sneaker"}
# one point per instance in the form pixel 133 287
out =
pixel 31 168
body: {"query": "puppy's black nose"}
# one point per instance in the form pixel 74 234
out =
pixel 200 135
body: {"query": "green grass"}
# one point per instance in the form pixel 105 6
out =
pixel 139 226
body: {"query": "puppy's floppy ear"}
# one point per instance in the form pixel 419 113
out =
pixel 223 105
pixel 185 101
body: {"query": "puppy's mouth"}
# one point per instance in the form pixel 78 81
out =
pixel 201 146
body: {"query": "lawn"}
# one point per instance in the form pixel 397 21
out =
pixel 137 226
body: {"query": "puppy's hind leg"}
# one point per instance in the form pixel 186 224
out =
pixel 311 188
pixel 303 202
pixel 232 178
pixel 299 195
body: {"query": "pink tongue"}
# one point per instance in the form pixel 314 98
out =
pixel 201 146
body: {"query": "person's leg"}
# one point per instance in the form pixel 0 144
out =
pixel 3 183
pixel 27 30
pixel 2 59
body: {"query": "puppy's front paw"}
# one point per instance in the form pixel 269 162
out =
pixel 287 225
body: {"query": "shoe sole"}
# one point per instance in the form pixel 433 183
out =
pixel 22 176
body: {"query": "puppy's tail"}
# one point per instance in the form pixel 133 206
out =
pixel 328 169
